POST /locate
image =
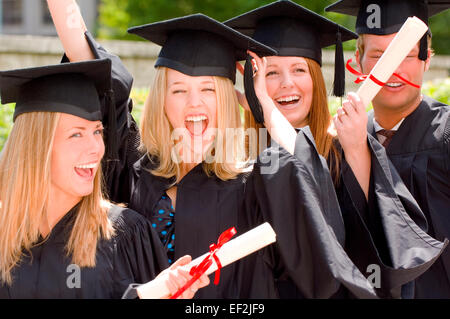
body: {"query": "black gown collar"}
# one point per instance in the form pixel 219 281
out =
pixel 409 135
pixel 61 231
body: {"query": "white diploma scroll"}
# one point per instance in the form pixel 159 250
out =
pixel 230 252
pixel 402 44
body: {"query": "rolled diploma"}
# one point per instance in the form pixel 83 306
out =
pixel 230 252
pixel 405 40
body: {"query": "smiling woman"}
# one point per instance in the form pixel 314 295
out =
pixel 53 212
pixel 76 154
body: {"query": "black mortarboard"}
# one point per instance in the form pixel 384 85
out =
pixel 382 17
pixel 293 30
pixel 198 45
pixel 74 88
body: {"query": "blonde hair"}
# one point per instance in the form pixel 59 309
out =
pixel 156 132
pixel 25 179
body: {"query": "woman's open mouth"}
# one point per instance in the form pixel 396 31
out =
pixel 86 171
pixel 196 124
pixel 289 101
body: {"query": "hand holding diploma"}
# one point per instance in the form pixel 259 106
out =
pixel 225 254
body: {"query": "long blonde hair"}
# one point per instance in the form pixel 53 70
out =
pixel 156 131
pixel 25 181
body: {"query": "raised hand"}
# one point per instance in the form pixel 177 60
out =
pixel 351 126
pixel 278 126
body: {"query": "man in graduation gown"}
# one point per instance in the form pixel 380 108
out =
pixel 413 128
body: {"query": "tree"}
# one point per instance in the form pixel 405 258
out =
pixel 116 16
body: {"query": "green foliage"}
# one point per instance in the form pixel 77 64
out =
pixel 116 16
pixel 138 96
pixel 439 26
pixel 438 89
pixel 6 115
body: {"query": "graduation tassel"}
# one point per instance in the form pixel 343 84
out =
pixel 112 153
pixel 423 52
pixel 423 44
pixel 339 68
pixel 250 94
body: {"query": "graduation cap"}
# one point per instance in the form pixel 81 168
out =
pixel 73 88
pixel 198 45
pixel 382 17
pixel 292 30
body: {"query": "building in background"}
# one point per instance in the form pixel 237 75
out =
pixel 32 16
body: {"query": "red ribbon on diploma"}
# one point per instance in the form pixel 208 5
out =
pixel 202 267
pixel 362 77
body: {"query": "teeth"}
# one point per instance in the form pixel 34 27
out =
pixel 288 98
pixel 393 85
pixel 196 118
pixel 86 166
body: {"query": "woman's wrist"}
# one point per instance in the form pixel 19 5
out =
pixel 356 151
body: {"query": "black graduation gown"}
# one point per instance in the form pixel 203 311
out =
pixel 385 229
pixel 382 232
pixel 208 206
pixel 221 205
pixel 295 199
pixel 134 254
pixel 420 151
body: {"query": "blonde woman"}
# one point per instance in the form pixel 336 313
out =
pixel 379 230
pixel 60 238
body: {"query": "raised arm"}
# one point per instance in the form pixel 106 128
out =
pixel 70 27
pixel 351 126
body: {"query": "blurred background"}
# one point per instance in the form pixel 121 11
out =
pixel 28 38
pixel 109 19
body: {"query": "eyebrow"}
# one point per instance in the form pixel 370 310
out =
pixel 183 83
pixel 84 128
pixel 301 63
pixel 376 51
pixel 294 64
pixel 175 83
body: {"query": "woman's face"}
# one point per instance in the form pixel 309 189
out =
pixel 76 154
pixel 191 107
pixel 290 86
